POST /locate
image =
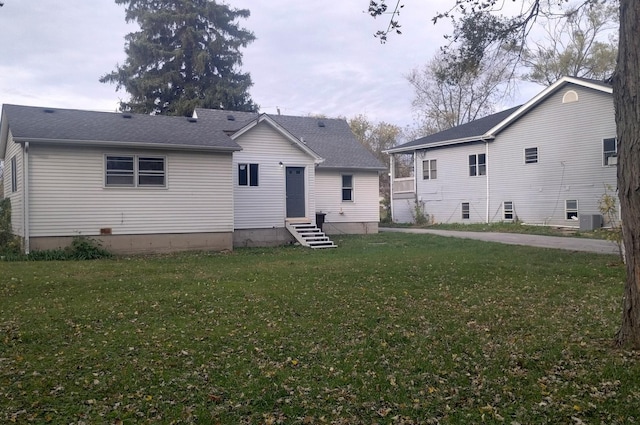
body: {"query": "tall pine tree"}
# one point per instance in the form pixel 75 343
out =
pixel 186 55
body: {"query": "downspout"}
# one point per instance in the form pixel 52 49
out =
pixel 486 162
pixel 25 199
pixel 392 174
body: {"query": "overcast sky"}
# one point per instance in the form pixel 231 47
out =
pixel 310 57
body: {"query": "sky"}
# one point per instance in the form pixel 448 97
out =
pixel 309 57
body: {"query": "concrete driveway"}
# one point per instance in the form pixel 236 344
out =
pixel 598 246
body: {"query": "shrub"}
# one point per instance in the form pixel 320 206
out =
pixel 9 243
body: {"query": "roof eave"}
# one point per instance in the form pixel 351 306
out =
pixel 481 138
pixel 112 143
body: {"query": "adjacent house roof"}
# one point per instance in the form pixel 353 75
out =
pixel 488 127
pixel 36 124
pixel 331 139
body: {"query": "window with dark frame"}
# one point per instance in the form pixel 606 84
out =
pixel 477 165
pixel 14 174
pixel 429 169
pixel 531 155
pixel 135 171
pixel 507 210
pixel 571 209
pixel 609 152
pixel 465 211
pixel 248 174
pixel 347 187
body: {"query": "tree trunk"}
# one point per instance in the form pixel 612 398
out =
pixel 626 97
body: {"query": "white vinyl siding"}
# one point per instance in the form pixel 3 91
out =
pixel 571 136
pixel 266 206
pixel 365 207
pixel 67 194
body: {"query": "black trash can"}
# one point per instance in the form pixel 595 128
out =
pixel 320 220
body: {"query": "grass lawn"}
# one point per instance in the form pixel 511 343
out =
pixel 388 328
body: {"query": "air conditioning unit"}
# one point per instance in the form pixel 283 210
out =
pixel 590 222
pixel 612 160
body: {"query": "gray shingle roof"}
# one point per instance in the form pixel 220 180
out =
pixel 466 131
pixel 36 123
pixel 333 141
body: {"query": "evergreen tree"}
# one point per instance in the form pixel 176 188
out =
pixel 186 55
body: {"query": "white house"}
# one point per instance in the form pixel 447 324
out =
pixel 142 183
pixel 546 162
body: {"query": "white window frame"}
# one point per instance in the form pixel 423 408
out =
pixel 350 188
pixel 531 157
pixel 466 206
pixel 429 169
pixel 14 174
pixel 477 168
pixel 568 210
pixel 606 154
pixel 508 212
pixel 250 180
pixel 136 173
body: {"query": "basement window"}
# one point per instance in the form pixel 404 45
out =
pixel 466 214
pixel 571 209
pixel 507 210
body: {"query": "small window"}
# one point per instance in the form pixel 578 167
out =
pixel 248 174
pixel 531 155
pixel 120 171
pixel 571 209
pixel 14 174
pixel 429 169
pixel 609 152
pixel 477 165
pixel 465 211
pixel 507 210
pixel 347 187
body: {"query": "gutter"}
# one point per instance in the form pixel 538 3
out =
pixel 139 145
pixel 479 138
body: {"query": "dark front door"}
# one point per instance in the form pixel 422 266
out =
pixel 295 192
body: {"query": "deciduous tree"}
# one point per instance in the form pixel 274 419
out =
pixel 578 42
pixel 186 55
pixel 376 137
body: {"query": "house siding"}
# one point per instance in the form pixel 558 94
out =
pixel 365 207
pixel 68 197
pixel 17 198
pixel 569 141
pixel 442 197
pixel 264 206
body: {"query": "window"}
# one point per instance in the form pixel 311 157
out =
pixel 609 152
pixel 150 171
pixel 429 169
pixel 135 171
pixel 347 187
pixel 14 174
pixel 507 210
pixel 477 165
pixel 531 155
pixel 248 174
pixel 465 211
pixel 571 209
